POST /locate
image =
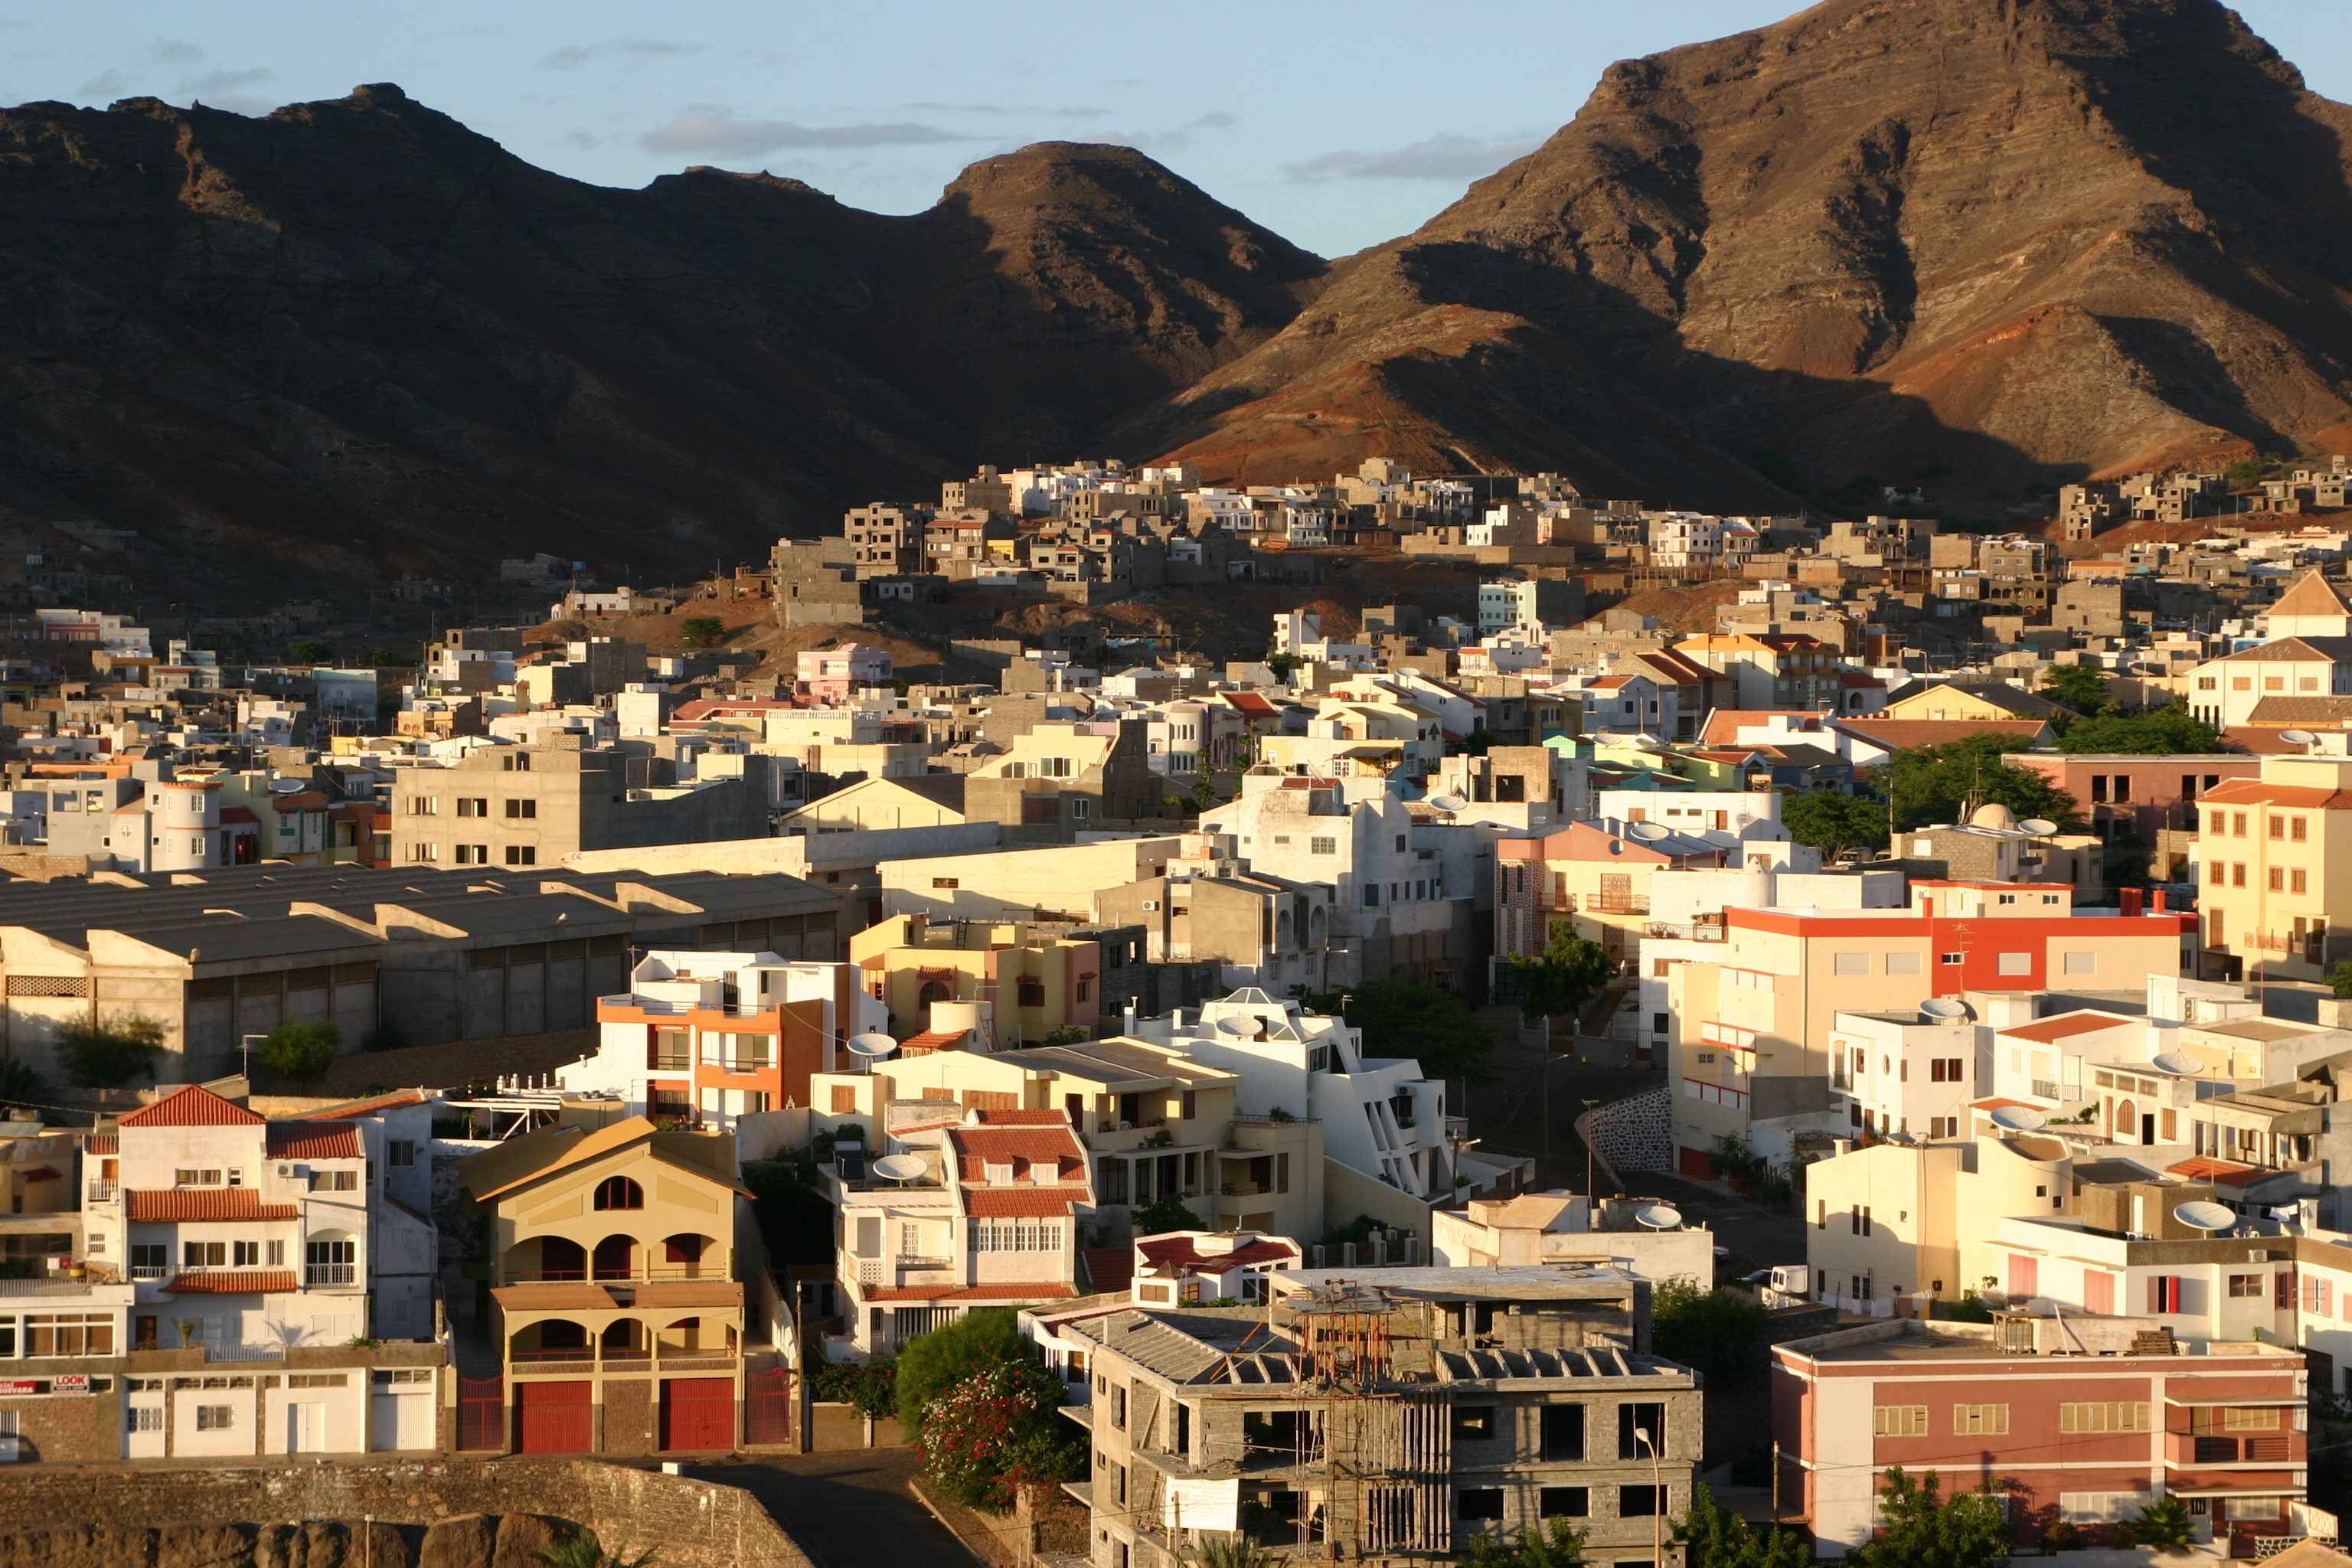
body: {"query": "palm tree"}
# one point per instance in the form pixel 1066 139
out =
pixel 1229 1551
pixel 584 1551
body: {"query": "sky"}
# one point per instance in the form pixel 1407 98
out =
pixel 1339 125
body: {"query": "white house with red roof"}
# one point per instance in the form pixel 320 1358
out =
pixel 1194 1267
pixel 954 1209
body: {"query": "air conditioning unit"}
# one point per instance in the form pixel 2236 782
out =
pixel 285 1171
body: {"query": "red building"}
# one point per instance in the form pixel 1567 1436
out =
pixel 2091 1437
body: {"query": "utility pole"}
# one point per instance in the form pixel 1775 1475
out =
pixel 1588 1161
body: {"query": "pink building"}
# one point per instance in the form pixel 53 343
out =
pixel 836 674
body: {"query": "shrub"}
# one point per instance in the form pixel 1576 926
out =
pixel 109 1055
pixel 1165 1212
pixel 301 1052
pixel 310 652
pixel 2164 1524
pixel 19 1084
pixel 870 1387
pixel 931 1364
pixel 584 1551
pixel 703 631
pixel 993 1432
pixel 1719 1333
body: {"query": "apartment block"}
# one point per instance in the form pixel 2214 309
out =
pixel 534 806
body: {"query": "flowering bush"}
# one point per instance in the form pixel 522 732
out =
pixel 994 1433
pixel 868 1386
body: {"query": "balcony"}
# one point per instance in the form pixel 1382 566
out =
pixel 1616 904
pixel 103 1192
pixel 576 1355
pixel 2043 1089
pixel 667 1061
pixel 318 1275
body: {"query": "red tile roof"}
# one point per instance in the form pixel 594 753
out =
pixel 1041 1144
pixel 1109 1267
pixel 314 1141
pixel 232 1282
pixel 2226 1172
pixel 2064 1025
pixel 194 1106
pixel 2254 792
pixel 1181 1251
pixel 205 1204
pixel 1021 1203
pixel 1903 733
pixel 1043 1290
pixel 1025 1117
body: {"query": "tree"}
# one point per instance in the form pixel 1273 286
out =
pixel 1434 1027
pixel 1721 1539
pixel 1931 783
pixel 2167 732
pixel 1282 664
pixel 1554 1543
pixel 2339 980
pixel 310 651
pixel 584 1551
pixel 1166 1212
pixel 2080 687
pixel 109 1055
pixel 381 656
pixel 795 1219
pixel 19 1083
pixel 1570 973
pixel 1833 822
pixel 702 631
pixel 930 1364
pixel 1921 1531
pixel 2164 1524
pixel 1719 1333
pixel 993 1434
pixel 870 1386
pixel 1235 1551
pixel 301 1052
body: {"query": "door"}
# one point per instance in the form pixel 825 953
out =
pixel 402 1421
pixel 2098 1293
pixel 306 1428
pixel 554 1418
pixel 698 1412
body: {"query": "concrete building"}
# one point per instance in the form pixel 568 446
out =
pixel 1026 982
pixel 2276 859
pixel 534 806
pixel 1555 1228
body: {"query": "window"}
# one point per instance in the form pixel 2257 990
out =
pixel 1849 963
pixel 946 883
pixel 2245 1286
pixel 1898 1421
pixel 204 1255
pixel 2298 881
pixel 1979 1420
pixel 2277 879
pixel 1640 1427
pixel 402 1152
pixel 215 1418
pixel 473 854
pixel 671 1051
pixel 334 1261
pixel 2016 964
pixel 428 852
pixel 1032 993
pixel 1474 1422
pixel 196 1178
pixel 2298 828
pixel 1640 1502
pixel 146 1418
pixel 1478 1502
pixel 2121 1416
pixel 525 809
pixel 68 1333
pixel 1902 963
pixel 334 1181
pixel 424 806
pixel 1564 1502
pixel 1564 1432
pixel 2277 826
pixel 523 855
pixel 473 805
pixel 1946 1069
pixel 845 1098
pixel 2079 962
pixel 247 1254
pixel 1371 895
pixel 2215 872
pixel 619 1192
pixel 1952 958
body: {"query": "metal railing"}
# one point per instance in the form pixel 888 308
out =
pixel 317 1274
pixel 2045 1088
pixel 643 1273
pixel 573 1354
pixel 103 1192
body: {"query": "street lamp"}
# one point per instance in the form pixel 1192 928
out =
pixel 1544 1073
pixel 1657 1501
pixel 246 1043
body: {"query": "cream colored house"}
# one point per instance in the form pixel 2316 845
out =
pixel 1904 1217
pixel 1558 1227
pixel 2275 858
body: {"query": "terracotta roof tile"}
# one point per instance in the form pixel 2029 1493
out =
pixel 314 1141
pixel 2226 1172
pixel 232 1282
pixel 204 1203
pixel 194 1106
pixel 1025 1117
pixel 1021 1203
pixel 2065 1025
pixel 1109 1267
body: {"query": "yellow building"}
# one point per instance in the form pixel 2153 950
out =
pixel 1901 1218
pixel 2274 865
pixel 921 800
pixel 1973 703
pixel 1021 983
pixel 1154 1122
pixel 615 1300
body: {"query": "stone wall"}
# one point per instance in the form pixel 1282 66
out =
pixel 245 1510
pixel 1635 1133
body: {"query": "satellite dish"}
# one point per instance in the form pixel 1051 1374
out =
pixel 2040 827
pixel 2204 1216
pixel 1658 1216
pixel 873 1043
pixel 1447 802
pixel 900 1167
pixel 1649 832
pixel 2179 1064
pixel 2298 737
pixel 2019 1119
pixel 288 786
pixel 1944 1008
pixel 1237 1026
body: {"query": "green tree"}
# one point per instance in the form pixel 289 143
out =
pixel 2167 732
pixel 1166 1212
pixel 299 1052
pixel 1717 1332
pixel 1554 1543
pixel 2164 1524
pixel 1436 1028
pixel 1931 783
pixel 1570 973
pixel 993 1434
pixel 2080 687
pixel 2339 980
pixel 1834 823
pixel 584 1551
pixel 109 1055
pixel 702 631
pixel 19 1083
pixel 1282 664
pixel 930 1364
pixel 1719 1538
pixel 312 651
pixel 1921 1531
pixel 382 656
pixel 870 1386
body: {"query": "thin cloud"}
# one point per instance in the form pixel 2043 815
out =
pixel 719 131
pixel 1175 140
pixel 1071 114
pixel 1441 157
pixel 625 50
pixel 225 81
pixel 169 52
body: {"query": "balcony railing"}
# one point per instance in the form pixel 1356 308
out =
pixel 2045 1088
pixel 670 1358
pixel 103 1192
pixel 318 1274
pixel 1616 904
pixel 572 1355
pixel 640 1274
pixel 922 1263
pixel 679 1062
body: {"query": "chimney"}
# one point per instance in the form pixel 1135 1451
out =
pixel 2129 899
pixel 1127 1019
pixel 2156 903
pixel 1927 905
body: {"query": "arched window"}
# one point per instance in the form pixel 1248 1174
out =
pixel 619 1192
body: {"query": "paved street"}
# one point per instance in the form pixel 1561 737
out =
pixel 848 1508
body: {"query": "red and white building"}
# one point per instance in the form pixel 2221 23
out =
pixel 993 1219
pixel 2090 1435
pixel 839 674
pixel 701 1038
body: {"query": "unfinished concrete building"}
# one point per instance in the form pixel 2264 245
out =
pixel 1387 1416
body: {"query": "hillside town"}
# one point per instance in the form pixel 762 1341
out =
pixel 1140 920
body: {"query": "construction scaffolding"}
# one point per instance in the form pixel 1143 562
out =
pixel 1384 1450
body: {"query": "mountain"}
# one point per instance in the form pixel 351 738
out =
pixel 353 337
pixel 1985 243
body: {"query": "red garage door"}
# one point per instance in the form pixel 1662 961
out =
pixel 1693 1162
pixel 554 1418
pixel 698 1412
